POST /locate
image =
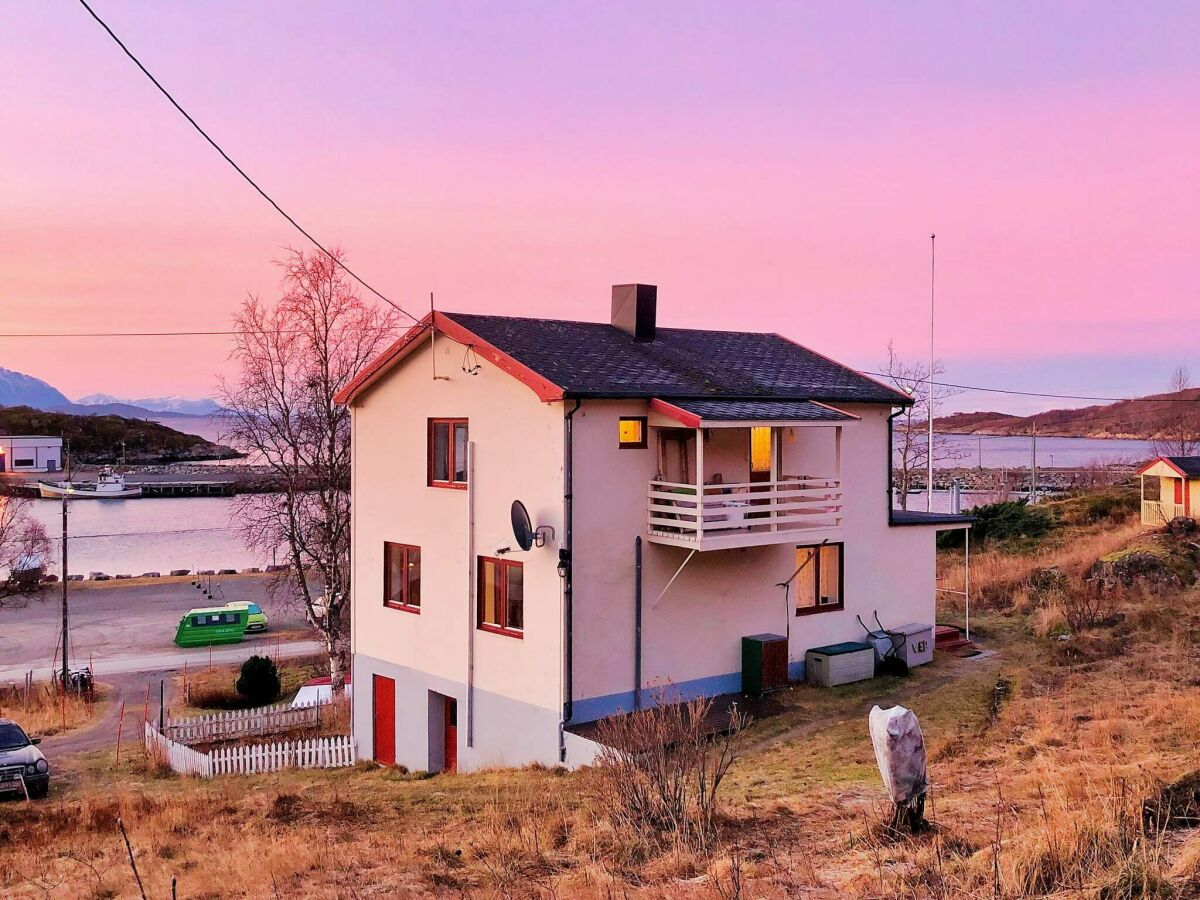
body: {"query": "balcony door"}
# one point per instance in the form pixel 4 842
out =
pixel 762 465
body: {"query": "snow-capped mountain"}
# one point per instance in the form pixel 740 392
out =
pixel 17 389
pixel 190 406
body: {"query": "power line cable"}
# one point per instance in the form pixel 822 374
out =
pixel 1017 393
pixel 250 181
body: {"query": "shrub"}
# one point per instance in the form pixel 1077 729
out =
pixel 658 772
pixel 259 679
pixel 1004 521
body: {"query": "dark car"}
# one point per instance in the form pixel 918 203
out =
pixel 21 760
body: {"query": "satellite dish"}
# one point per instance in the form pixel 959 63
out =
pixel 522 526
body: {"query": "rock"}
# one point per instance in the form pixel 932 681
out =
pixel 181 571
pixel 99 576
pixel 206 572
pixel 227 572
pixel 49 579
pixel 151 575
pixel 278 568
pixel 122 577
pixel 74 578
pixel 1159 560
pixel 1181 525
pixel 251 571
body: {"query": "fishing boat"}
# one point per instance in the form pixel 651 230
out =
pixel 109 485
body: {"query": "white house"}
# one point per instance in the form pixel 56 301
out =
pixel 688 488
pixel 30 453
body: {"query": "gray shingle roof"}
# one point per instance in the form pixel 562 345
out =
pixel 762 410
pixel 590 359
pixel 1189 465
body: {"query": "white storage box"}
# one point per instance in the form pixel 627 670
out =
pixel 918 644
pixel 839 663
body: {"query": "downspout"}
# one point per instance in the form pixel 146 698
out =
pixel 891 477
pixel 637 622
pixel 471 598
pixel 565 563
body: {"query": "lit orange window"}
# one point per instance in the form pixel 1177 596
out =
pixel 631 432
pixel 760 449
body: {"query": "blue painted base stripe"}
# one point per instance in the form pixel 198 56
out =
pixel 592 708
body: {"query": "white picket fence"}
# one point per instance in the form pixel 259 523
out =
pixel 181 758
pixel 312 753
pixel 239 723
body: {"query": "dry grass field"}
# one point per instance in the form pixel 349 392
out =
pixel 1050 765
pixel 45 712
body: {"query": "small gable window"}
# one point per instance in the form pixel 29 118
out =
pixel 631 432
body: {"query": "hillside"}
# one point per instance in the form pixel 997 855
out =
pixel 98 439
pixel 1148 418
pixel 19 389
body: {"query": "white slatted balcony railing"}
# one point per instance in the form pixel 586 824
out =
pixel 721 516
pixel 1156 513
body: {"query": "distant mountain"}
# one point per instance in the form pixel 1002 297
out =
pixel 1148 418
pixel 17 389
pixel 188 406
pixel 125 410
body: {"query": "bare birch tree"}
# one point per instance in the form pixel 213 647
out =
pixel 910 429
pixel 1180 437
pixel 23 545
pixel 294 357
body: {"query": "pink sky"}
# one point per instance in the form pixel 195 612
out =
pixel 770 167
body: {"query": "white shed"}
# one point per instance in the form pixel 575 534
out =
pixel 30 453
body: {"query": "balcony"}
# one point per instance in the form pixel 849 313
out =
pixel 747 514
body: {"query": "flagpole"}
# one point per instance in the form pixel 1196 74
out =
pixel 929 411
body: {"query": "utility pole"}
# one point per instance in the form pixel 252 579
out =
pixel 929 412
pixel 1033 466
pixel 65 570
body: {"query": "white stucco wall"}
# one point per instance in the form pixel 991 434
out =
pixel 691 638
pixel 518 455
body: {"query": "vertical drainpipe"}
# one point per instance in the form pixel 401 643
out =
pixel 890 483
pixel 567 564
pixel 637 622
pixel 470 698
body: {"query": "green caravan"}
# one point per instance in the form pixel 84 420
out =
pixel 216 625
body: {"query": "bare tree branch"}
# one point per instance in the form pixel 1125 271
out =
pixel 1180 437
pixel 23 546
pixel 910 456
pixel 294 357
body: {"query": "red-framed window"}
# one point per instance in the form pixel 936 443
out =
pixel 448 453
pixel 402 577
pixel 820 572
pixel 501 596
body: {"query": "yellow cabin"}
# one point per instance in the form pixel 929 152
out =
pixel 1170 488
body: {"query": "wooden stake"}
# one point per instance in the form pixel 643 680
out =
pixel 132 864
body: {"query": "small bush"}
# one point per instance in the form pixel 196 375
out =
pixel 1005 521
pixel 259 680
pixel 658 772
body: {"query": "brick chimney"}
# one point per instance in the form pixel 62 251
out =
pixel 633 309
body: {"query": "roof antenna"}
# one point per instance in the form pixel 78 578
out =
pixel 433 344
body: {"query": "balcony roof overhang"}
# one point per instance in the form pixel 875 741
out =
pixel 748 413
